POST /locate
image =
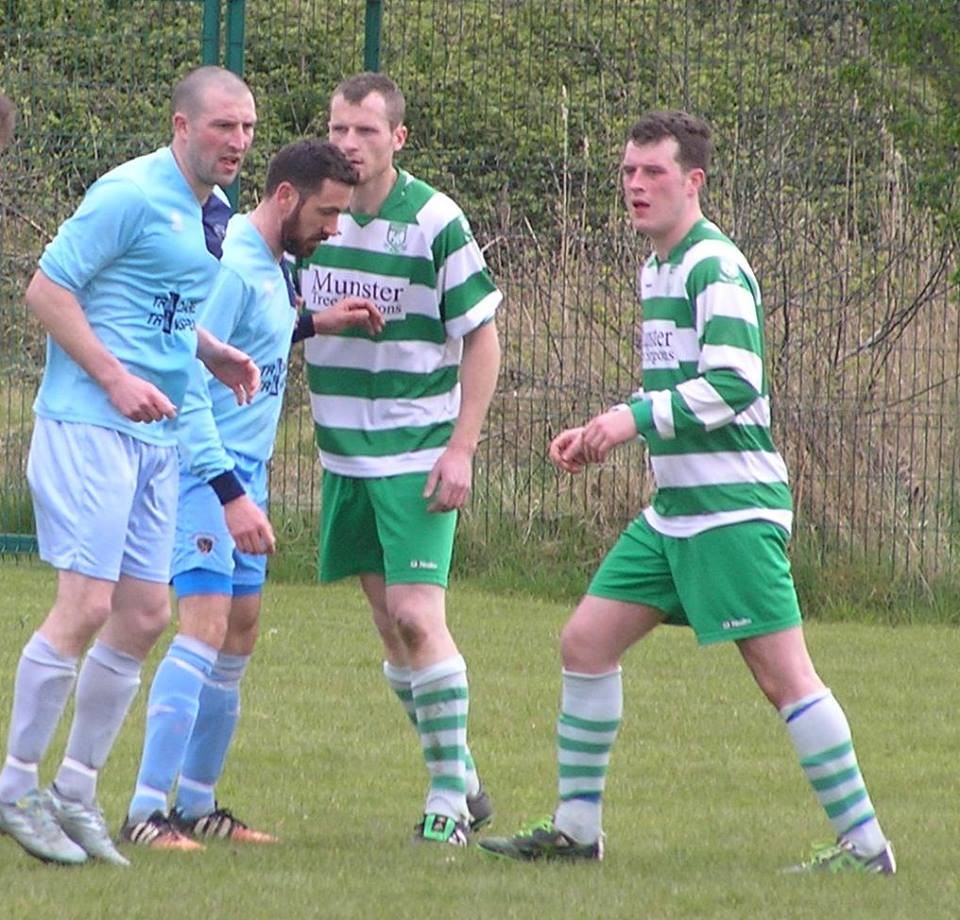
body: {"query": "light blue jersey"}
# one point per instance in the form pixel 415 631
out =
pixel 133 254
pixel 250 308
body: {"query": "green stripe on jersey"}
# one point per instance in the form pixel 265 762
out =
pixel 726 330
pixel 350 442
pixel 413 328
pixel 353 381
pixel 738 438
pixel 455 235
pixel 672 502
pixel 464 297
pixel 417 269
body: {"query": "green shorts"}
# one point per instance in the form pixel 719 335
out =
pixel 727 583
pixel 382 526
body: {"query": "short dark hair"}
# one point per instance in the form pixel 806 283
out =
pixel 8 118
pixel 188 93
pixel 691 133
pixel 306 164
pixel 356 88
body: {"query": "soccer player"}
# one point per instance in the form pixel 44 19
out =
pixel 711 550
pixel 219 567
pixel 118 292
pixel 398 419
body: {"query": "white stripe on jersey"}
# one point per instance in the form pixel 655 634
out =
pixel 724 299
pixel 385 414
pixel 710 249
pixel 436 213
pixel 705 403
pixel 460 266
pixel 747 365
pixel 689 525
pixel 663 414
pixel 415 357
pixel 720 468
pixel 417 461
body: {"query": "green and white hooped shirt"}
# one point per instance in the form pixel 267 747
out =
pixel 387 405
pixel 705 409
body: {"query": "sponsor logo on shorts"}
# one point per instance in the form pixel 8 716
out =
pixel 205 544
pixel 422 564
pixel 737 623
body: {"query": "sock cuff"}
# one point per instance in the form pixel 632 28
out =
pixel 182 643
pixel 797 708
pixel 113 660
pixel 39 649
pixel 396 674
pixel 449 667
pixel 190 653
pixel 579 675
pixel 229 668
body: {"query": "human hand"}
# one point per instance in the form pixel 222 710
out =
pixel 351 311
pixel 449 481
pixel 606 431
pixel 235 369
pixel 566 450
pixel 249 526
pixel 138 399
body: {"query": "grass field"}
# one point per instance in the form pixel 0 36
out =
pixel 705 802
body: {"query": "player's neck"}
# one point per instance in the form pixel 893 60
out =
pixel 369 197
pixel 267 225
pixel 201 190
pixel 664 245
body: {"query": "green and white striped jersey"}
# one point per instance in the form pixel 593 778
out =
pixel 702 350
pixel 387 405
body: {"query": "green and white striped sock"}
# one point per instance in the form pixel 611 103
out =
pixel 441 700
pixel 821 734
pixel 399 679
pixel 590 711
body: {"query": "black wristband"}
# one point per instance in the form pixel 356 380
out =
pixel 227 487
pixel 304 328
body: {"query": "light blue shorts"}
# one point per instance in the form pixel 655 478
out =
pixel 205 558
pixel 105 502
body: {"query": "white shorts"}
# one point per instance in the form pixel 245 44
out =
pixel 105 502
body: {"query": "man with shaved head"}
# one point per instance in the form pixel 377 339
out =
pixel 120 292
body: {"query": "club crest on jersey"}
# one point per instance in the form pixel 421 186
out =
pixel 397 237
pixel 204 544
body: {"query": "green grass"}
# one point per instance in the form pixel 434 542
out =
pixel 705 802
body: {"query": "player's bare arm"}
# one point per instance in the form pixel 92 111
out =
pixel 451 478
pixel 351 311
pixel 232 367
pixel 61 315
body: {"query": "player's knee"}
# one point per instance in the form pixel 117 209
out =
pixel 412 631
pixel 578 647
pixel 151 620
pixel 81 617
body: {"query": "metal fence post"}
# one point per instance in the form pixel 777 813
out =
pixel 210 53
pixel 236 18
pixel 234 60
pixel 371 38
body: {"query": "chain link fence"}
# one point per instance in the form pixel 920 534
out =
pixel 834 172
